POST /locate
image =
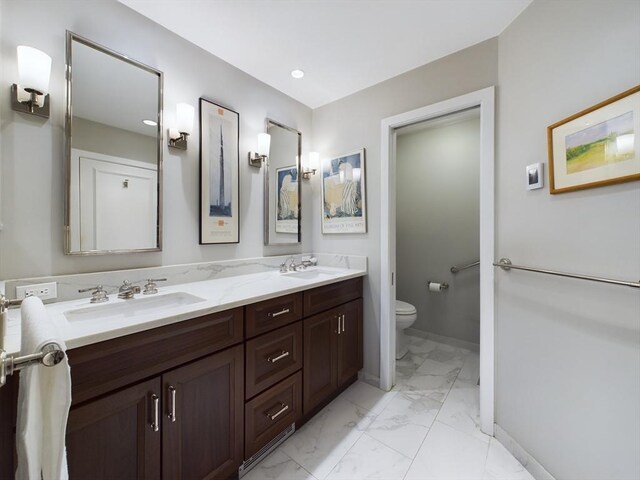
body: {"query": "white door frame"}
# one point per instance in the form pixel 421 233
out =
pixel 485 100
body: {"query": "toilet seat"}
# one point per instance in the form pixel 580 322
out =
pixel 404 308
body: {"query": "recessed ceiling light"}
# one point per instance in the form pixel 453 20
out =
pixel 297 73
pixel 151 123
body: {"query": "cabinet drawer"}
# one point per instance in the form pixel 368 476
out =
pixel 271 412
pixel 277 312
pixel 272 357
pixel 328 296
pixel 103 367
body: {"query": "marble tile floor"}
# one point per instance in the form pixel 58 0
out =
pixel 426 428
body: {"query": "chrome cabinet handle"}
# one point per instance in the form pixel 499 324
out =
pixel 155 425
pixel 279 357
pixel 342 316
pixel 277 314
pixel 338 317
pixel 172 403
pixel 273 416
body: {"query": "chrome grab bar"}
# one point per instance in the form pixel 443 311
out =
pixel 506 265
pixel 50 355
pixel 456 269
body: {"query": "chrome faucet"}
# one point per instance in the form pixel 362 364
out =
pixel 284 268
pixel 127 290
pixel 98 294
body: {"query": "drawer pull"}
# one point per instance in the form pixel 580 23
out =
pixel 155 425
pixel 277 314
pixel 279 357
pixel 172 406
pixel 273 416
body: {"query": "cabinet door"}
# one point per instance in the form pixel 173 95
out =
pixel 115 436
pixel 350 341
pixel 320 358
pixel 203 417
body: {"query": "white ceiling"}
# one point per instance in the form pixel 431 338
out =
pixel 343 46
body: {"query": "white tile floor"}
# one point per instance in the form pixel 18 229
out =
pixel 425 428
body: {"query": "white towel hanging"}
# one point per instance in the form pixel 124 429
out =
pixel 44 399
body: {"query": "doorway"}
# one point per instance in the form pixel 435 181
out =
pixel 484 99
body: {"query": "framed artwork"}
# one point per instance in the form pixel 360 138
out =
pixel 287 200
pixel 219 166
pixel 598 146
pixel 343 194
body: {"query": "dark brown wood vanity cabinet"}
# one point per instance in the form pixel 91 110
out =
pixel 194 399
pixel 332 341
pixel 273 379
pixel 184 422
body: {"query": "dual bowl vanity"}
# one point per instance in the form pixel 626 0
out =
pixel 202 380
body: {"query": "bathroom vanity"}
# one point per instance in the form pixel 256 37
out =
pixel 197 397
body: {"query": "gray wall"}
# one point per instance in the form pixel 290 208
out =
pixel 568 352
pixel 354 122
pixel 117 142
pixel 438 225
pixel 32 180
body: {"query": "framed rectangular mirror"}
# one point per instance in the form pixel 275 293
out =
pixel 113 152
pixel 282 186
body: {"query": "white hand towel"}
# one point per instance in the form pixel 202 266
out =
pixel 44 398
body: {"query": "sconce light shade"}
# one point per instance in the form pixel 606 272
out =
pixel 256 159
pixel 34 69
pixel 312 165
pixel 264 144
pixel 185 113
pixel 30 95
pixel 184 126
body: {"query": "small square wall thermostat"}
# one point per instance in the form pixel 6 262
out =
pixel 535 176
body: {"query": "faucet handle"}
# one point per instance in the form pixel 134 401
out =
pixel 150 287
pixel 99 295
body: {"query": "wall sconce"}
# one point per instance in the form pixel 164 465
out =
pixel 184 128
pixel 312 165
pixel 30 94
pixel 264 143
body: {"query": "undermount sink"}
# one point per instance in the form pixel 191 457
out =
pixel 133 307
pixel 311 274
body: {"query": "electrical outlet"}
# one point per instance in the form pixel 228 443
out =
pixel 46 291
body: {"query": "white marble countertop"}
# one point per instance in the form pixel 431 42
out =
pixel 217 295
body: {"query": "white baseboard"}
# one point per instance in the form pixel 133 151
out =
pixel 454 342
pixel 531 464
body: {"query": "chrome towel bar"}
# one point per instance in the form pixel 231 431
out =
pixel 506 265
pixel 50 355
pixel 456 269
pixel 5 303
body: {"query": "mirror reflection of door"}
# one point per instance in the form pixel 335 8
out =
pixel 117 199
pixel 114 153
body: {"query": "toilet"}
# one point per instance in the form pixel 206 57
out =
pixel 406 314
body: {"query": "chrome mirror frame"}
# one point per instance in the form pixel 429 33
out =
pixel 267 214
pixel 70 38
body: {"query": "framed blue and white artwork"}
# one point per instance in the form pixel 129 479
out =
pixel 219 165
pixel 343 194
pixel 287 200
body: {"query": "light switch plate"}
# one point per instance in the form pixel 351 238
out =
pixel 46 291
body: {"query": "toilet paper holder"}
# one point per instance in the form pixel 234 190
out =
pixel 436 286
